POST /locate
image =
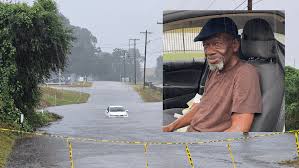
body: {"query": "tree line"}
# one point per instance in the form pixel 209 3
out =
pixel 86 59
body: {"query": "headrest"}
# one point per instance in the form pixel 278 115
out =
pixel 258 40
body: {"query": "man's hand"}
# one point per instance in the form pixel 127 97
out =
pixel 241 122
pixel 167 128
pixel 182 121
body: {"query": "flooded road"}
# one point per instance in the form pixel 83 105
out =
pixel 143 124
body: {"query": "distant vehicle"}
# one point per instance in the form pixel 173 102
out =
pixel 116 111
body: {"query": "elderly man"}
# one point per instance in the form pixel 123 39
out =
pixel 232 91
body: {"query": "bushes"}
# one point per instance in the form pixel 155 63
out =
pixel 292 98
pixel 33 43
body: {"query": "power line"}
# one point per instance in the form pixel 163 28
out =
pixel 158 38
pixel 257 2
pixel 134 57
pixel 240 5
pixel 211 4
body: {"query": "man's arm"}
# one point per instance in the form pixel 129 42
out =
pixel 182 121
pixel 241 122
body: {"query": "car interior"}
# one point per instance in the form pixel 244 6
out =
pixel 182 80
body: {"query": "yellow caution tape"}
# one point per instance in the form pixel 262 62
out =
pixel 145 154
pixel 70 152
pixel 189 156
pixel 143 142
pixel 297 142
pixel 231 155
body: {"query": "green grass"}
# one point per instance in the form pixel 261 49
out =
pixel 58 97
pixel 78 84
pixel 39 119
pixel 181 56
pixel 147 94
pixel 291 163
pixel 7 141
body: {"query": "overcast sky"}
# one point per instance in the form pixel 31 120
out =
pixel 114 22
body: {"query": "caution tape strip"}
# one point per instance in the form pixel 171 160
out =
pixel 70 152
pixel 145 154
pixel 231 155
pixel 189 156
pixel 297 142
pixel 143 142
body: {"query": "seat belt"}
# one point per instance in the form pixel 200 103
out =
pixel 203 78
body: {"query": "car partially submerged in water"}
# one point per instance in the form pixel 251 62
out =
pixel 116 111
pixel 185 67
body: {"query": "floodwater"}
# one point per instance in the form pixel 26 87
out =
pixel 143 124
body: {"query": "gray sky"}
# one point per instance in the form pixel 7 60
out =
pixel 113 22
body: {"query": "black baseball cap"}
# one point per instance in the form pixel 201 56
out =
pixel 217 25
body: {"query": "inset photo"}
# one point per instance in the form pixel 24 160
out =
pixel 223 71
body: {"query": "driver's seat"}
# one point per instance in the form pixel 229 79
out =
pixel 260 49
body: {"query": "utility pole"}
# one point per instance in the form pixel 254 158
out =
pixel 249 5
pixel 129 55
pixel 134 59
pixel 145 45
pixel 125 66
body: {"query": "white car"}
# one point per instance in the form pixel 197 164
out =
pixel 116 111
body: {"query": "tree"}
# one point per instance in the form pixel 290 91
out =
pixel 34 42
pixel 84 52
pixel 292 97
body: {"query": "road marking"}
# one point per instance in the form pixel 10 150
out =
pixel 297 142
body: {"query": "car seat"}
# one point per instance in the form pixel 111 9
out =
pixel 260 49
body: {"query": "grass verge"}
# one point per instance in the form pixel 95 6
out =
pixel 75 84
pixel 41 119
pixel 291 163
pixel 181 56
pixel 58 97
pixel 80 84
pixel 7 139
pixel 147 94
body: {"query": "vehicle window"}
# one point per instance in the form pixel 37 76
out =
pixel 178 45
pixel 117 109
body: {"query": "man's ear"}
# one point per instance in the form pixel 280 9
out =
pixel 236 45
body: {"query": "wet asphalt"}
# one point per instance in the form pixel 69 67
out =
pixel 143 124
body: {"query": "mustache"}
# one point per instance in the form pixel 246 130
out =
pixel 214 67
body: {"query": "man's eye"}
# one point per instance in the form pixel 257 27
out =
pixel 217 43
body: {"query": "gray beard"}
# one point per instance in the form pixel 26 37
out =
pixel 218 66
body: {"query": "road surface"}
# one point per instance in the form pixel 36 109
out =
pixel 143 124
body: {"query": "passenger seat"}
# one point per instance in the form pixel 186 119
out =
pixel 260 49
